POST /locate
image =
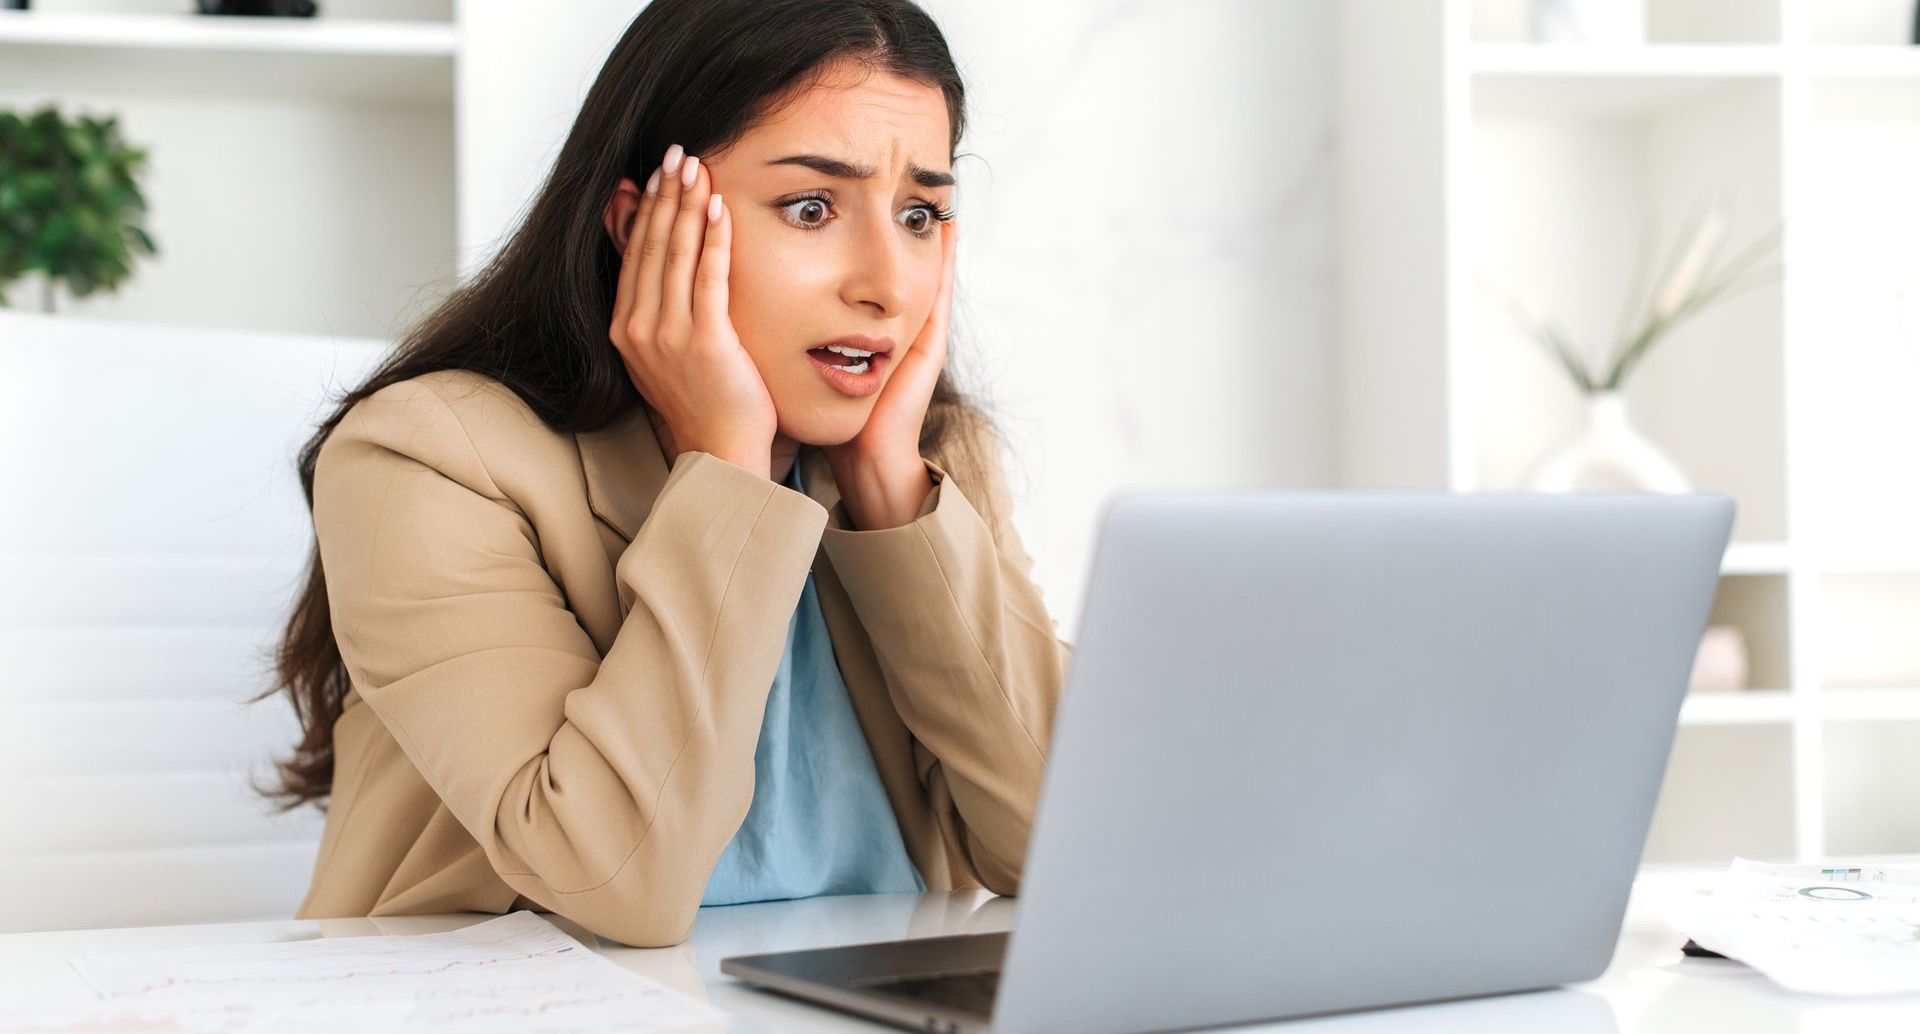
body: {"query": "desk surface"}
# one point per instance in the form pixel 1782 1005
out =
pixel 1649 987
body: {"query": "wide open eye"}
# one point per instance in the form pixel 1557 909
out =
pixel 807 213
pixel 929 216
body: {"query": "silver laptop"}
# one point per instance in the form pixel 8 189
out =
pixel 1323 751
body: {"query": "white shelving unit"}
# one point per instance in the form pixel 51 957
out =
pixel 394 63
pixel 300 169
pixel 1544 167
pixel 137 30
pixel 336 174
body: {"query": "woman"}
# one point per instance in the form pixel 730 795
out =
pixel 628 595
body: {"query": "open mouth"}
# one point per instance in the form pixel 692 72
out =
pixel 855 376
pixel 853 361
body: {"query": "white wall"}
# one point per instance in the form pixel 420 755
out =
pixel 260 222
pixel 521 77
pixel 1145 289
pixel 1145 293
pixel 1147 297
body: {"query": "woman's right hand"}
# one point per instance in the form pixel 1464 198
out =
pixel 671 327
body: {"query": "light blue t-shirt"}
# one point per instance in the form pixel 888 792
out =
pixel 819 822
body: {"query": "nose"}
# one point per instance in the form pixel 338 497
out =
pixel 876 277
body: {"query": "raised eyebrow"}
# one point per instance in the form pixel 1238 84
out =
pixel 848 171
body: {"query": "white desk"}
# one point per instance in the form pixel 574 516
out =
pixel 1650 986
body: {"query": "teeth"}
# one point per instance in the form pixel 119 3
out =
pixel 857 367
pixel 854 352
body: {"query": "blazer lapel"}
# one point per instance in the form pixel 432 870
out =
pixel 624 468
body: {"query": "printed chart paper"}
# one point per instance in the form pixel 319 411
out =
pixel 1843 929
pixel 515 973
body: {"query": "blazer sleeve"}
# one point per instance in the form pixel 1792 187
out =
pixel 604 789
pixel 970 659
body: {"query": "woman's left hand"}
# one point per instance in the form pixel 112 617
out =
pixel 881 477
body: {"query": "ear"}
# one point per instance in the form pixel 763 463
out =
pixel 620 212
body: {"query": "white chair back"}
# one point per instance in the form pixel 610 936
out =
pixel 152 536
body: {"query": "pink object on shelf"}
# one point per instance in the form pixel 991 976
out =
pixel 1721 664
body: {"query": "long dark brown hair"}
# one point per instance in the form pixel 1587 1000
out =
pixel 536 318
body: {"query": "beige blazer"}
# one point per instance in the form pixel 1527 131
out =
pixel 560 652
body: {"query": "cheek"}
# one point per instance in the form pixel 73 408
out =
pixel 774 295
pixel 927 287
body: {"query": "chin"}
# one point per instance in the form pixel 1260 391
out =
pixel 836 425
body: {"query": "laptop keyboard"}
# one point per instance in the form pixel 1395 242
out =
pixel 970 991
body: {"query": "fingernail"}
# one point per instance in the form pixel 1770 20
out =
pixel 713 209
pixel 653 182
pixel 672 162
pixel 689 171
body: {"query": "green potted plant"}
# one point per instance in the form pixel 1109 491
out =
pixel 70 208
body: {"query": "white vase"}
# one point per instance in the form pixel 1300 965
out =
pixel 1606 455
